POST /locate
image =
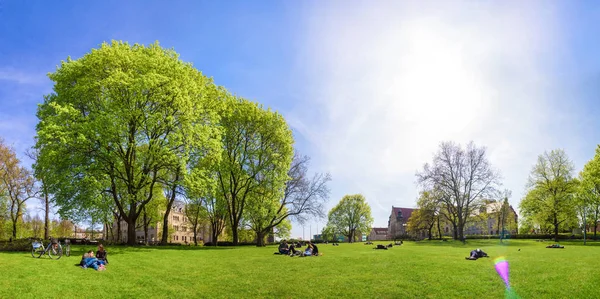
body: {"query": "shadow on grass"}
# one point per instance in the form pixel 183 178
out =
pixel 505 242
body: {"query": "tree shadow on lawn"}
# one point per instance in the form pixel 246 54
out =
pixel 121 249
pixel 79 250
pixel 478 243
pixel 507 242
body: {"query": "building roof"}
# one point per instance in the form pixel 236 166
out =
pixel 406 212
pixel 380 229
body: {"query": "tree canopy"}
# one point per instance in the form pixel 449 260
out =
pixel 549 199
pixel 117 119
pixel 350 216
pixel 462 177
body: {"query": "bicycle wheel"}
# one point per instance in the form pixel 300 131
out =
pixel 67 250
pixel 37 250
pixel 55 252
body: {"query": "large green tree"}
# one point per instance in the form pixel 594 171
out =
pixel 118 118
pixel 298 198
pixel 426 216
pixel 590 187
pixel 549 198
pixel 350 216
pixel 257 151
pixel 17 183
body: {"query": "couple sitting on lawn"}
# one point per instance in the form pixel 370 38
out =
pixel 311 249
pixel 98 262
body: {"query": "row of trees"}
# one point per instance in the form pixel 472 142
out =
pixel 557 200
pixel 130 129
pixel 460 184
pixel 17 186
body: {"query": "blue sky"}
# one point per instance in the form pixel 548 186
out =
pixel 370 90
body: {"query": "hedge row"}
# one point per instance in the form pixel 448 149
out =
pixel 16 245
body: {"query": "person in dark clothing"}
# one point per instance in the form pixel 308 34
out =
pixel 477 253
pixel 555 246
pixel 284 248
pixel 315 251
pixel 101 254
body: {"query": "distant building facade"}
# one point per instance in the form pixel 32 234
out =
pixel 181 230
pixel 378 234
pixel 398 222
pixel 487 221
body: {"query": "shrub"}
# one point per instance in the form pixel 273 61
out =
pixel 16 245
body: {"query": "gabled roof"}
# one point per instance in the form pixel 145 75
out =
pixel 406 212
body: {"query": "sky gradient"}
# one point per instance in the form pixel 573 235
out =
pixel 369 90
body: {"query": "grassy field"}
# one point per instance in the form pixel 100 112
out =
pixel 415 270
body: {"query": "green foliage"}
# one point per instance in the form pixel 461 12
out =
pixel 17 185
pixel 588 192
pixel 119 118
pixel 351 216
pixel 549 200
pixel 257 152
pixel 425 217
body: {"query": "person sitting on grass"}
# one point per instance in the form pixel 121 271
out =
pixel 283 248
pixel 555 246
pixel 101 254
pixel 309 250
pixel 315 249
pixel 89 261
pixel 477 253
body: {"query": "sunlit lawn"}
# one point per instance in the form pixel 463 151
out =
pixel 415 270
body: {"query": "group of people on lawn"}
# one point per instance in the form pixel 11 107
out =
pixel 97 262
pixel 286 249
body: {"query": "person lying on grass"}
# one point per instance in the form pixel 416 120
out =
pixel 555 246
pixel 477 253
pixel 89 261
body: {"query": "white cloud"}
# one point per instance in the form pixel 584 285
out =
pixel 12 75
pixel 394 80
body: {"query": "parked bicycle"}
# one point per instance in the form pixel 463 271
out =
pixel 54 249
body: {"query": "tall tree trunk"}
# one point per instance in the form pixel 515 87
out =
pixel 214 233
pixel 165 234
pixel 14 229
pixel 131 221
pixel 430 229
pixel 196 233
pixel 439 227
pixel 596 223
pixel 145 227
pixel 234 235
pixel 555 228
pixel 455 231
pixel 260 238
pixel 118 240
pixel 47 213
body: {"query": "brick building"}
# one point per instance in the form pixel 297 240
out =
pixel 398 222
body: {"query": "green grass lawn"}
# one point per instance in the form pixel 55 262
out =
pixel 415 270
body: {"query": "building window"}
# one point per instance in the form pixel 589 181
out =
pixel 176 238
pixel 175 218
